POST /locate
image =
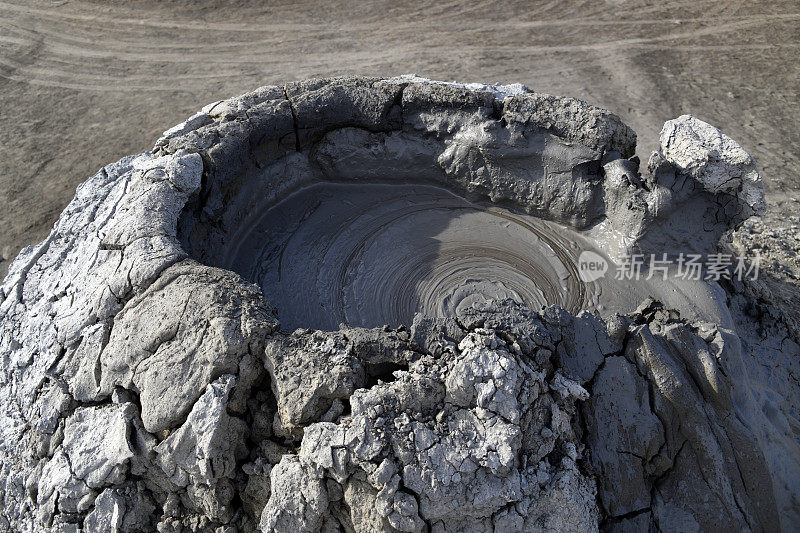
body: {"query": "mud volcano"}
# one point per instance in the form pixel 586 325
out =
pixel 357 304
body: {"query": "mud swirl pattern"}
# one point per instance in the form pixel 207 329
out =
pixel 369 255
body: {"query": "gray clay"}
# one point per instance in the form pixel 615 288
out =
pixel 353 304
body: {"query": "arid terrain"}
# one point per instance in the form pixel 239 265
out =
pixel 444 401
pixel 84 83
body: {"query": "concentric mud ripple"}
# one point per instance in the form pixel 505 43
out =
pixel 368 255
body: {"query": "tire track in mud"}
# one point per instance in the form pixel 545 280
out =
pixel 137 56
pixel 408 17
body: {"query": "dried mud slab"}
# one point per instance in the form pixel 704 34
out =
pixel 354 304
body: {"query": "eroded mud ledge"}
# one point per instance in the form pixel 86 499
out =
pixel 146 385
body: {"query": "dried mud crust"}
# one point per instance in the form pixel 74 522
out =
pixel 145 388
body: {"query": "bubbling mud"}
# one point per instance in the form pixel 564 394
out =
pixel 368 255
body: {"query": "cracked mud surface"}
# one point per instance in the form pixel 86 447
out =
pixel 147 385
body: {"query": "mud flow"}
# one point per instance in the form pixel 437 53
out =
pixel 375 254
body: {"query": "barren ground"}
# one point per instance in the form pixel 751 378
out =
pixel 83 83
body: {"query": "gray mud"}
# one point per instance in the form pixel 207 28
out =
pixel 369 255
pixel 189 350
pixel 377 254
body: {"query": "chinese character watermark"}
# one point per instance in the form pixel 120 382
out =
pixel 714 267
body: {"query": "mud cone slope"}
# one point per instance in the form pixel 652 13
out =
pixel 357 304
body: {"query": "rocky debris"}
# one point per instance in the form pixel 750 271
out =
pixel 778 254
pixel 201 455
pixel 485 429
pixel 313 373
pixel 145 387
pixel 779 247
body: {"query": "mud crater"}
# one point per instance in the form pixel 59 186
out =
pixel 364 205
pixel 376 254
